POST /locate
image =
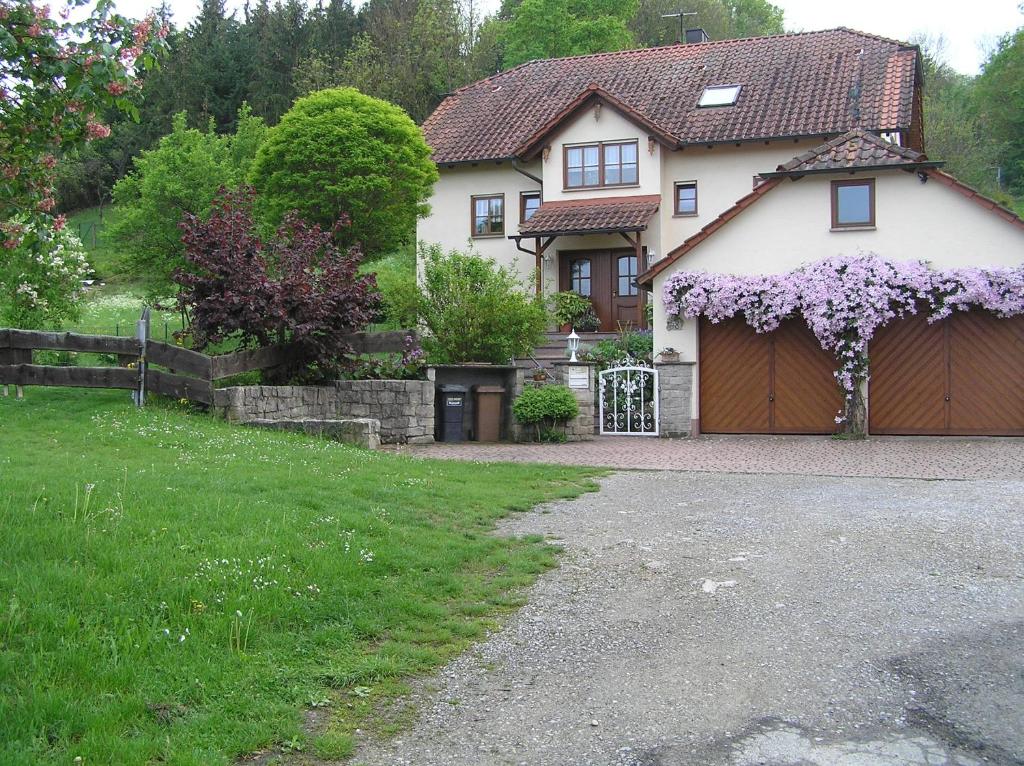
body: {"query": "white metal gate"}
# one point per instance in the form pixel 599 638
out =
pixel 628 401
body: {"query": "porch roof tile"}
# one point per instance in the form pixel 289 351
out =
pixel 607 215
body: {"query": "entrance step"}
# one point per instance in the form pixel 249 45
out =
pixel 554 349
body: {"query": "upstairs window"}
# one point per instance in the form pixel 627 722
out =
pixel 853 204
pixel 528 204
pixel 612 163
pixel 686 198
pixel 720 95
pixel 488 215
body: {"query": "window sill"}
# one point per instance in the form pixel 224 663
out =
pixel 853 228
pixel 598 188
pixel 486 236
pixel 685 215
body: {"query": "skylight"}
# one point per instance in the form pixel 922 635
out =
pixel 719 95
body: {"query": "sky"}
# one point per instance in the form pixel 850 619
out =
pixel 970 28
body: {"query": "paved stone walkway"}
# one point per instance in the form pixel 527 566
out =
pixel 891 457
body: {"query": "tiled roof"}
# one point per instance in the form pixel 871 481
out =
pixel 857 149
pixel 591 216
pixel 807 84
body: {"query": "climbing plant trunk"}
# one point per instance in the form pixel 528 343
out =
pixel 856 410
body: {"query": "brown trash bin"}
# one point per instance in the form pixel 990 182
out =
pixel 487 413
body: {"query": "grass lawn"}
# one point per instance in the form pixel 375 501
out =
pixel 176 589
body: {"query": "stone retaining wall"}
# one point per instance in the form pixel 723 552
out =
pixel 405 408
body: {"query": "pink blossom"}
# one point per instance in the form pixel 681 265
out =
pixel 94 130
pixel 46 204
pixel 116 88
pixel 59 222
pixel 48 161
pixel 844 300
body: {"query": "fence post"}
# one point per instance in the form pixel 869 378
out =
pixel 142 335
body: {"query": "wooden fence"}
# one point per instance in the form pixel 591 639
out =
pixel 186 374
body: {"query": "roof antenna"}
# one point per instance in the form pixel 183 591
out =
pixel 679 14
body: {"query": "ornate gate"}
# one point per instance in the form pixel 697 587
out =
pixel 628 400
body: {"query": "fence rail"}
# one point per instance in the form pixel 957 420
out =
pixel 187 374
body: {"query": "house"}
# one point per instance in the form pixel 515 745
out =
pixel 606 174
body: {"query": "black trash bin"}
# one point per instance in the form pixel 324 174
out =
pixel 451 406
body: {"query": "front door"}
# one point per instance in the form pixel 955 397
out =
pixel 608 278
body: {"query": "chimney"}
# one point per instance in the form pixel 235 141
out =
pixel 697 35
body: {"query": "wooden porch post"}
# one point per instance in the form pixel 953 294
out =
pixel 539 251
pixel 641 267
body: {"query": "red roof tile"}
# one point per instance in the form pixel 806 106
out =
pixel 807 84
pixel 591 216
pixel 855 150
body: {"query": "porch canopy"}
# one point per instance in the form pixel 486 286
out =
pixel 608 215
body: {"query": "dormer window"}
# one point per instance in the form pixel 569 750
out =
pixel 720 95
pixel 610 163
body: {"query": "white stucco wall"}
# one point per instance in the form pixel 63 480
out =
pixel 609 125
pixel 449 223
pixel 791 226
pixel 724 174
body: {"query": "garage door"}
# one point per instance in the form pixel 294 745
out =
pixel 780 382
pixel 961 376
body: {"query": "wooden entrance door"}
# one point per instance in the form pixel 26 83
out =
pixel 961 376
pixel 608 278
pixel 780 382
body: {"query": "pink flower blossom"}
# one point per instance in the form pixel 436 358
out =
pixel 94 130
pixel 59 222
pixel 844 300
pixel 116 88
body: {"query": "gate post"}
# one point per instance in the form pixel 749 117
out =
pixel 142 335
pixel 675 399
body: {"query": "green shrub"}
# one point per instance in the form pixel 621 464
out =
pixel 575 310
pixel 396 281
pixel 631 345
pixel 180 175
pixel 474 310
pixel 339 151
pixel 545 406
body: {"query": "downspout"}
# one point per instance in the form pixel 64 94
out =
pixel 538 253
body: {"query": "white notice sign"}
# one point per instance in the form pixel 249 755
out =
pixel 579 377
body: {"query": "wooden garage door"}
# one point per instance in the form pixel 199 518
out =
pixel 961 376
pixel 780 382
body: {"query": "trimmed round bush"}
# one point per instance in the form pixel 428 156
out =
pixel 338 150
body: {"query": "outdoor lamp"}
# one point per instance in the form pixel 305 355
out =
pixel 574 345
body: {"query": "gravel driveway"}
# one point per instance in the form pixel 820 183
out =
pixel 714 619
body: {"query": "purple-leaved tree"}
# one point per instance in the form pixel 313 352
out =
pixel 296 287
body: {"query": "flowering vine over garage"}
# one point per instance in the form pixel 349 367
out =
pixel 844 300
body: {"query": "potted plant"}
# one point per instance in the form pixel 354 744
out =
pixel 668 355
pixel 573 311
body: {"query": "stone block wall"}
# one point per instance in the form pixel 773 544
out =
pixel 405 408
pixel 675 383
